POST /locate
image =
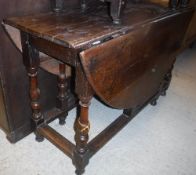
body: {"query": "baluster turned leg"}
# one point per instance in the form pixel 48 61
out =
pixel 62 98
pixel 183 3
pixel 31 61
pixel 83 5
pixel 35 105
pixel 82 125
pixel 116 9
pixel 173 4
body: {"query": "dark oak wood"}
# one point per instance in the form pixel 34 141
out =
pixel 116 9
pixel 82 124
pixel 58 140
pixel 125 78
pixel 173 4
pixel 126 66
pixel 68 30
pixel 63 96
pixel 58 5
pixel 15 112
pixel 15 117
pixel 190 35
pixel 99 141
pixel 31 61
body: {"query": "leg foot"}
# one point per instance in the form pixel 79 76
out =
pixel 79 172
pixel 82 126
pixel 62 120
pixel 163 93
pixel 154 102
pixel 128 112
pixel 80 161
pixel 117 21
pixel 39 138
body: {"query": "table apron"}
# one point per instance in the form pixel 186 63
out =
pixel 62 53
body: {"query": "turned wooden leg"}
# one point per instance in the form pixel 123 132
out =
pixel 62 98
pixel 38 137
pixel 82 125
pixel 173 4
pixel 83 5
pixel 184 3
pixel 117 7
pixel 62 120
pixel 31 61
pixel 35 105
pixel 166 82
pixel 58 5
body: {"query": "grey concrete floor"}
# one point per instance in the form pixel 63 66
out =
pixel 161 140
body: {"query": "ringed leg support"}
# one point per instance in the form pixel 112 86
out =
pixel 63 96
pixel 31 61
pixel 173 4
pixel 116 9
pixel 83 5
pixel 58 140
pixel 163 87
pixel 183 3
pixel 82 125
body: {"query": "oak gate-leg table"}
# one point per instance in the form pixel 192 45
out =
pixel 126 66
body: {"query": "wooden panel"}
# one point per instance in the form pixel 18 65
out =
pixel 3 118
pixel 126 71
pixel 191 32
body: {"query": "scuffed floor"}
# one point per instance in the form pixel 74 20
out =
pixel 161 140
